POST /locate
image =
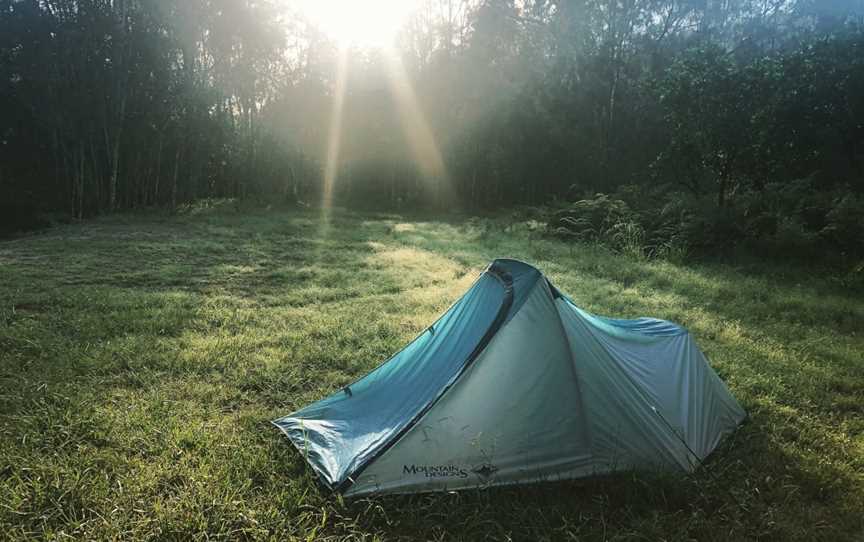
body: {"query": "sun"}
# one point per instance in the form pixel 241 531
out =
pixel 358 23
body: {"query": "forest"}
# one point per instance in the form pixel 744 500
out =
pixel 674 125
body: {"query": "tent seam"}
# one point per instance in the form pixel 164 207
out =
pixel 576 377
pixel 500 318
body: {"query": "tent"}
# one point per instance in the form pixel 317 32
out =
pixel 516 384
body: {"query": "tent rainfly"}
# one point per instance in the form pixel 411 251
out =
pixel 516 384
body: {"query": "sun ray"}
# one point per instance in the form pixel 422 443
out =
pixel 419 133
pixel 334 137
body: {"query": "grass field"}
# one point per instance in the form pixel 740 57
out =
pixel 142 357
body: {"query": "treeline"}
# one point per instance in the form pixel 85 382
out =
pixel 118 104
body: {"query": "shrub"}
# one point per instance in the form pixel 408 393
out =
pixel 792 239
pixel 18 214
pixel 793 219
pixel 844 228
pixel 593 219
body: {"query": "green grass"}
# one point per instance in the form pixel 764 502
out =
pixel 142 357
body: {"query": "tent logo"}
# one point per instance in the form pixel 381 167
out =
pixel 486 470
pixel 435 471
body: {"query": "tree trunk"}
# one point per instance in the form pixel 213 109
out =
pixel 177 155
pixel 80 182
pixel 155 196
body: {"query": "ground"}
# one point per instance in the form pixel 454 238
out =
pixel 142 357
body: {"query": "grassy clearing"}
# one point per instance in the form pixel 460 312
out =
pixel 141 358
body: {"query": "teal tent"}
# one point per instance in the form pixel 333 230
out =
pixel 516 384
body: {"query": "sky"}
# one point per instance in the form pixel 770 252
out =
pixel 354 23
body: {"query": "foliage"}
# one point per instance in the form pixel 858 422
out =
pixel 594 219
pixel 487 103
pixel 844 224
pixel 142 355
pixel 794 221
pixel 116 105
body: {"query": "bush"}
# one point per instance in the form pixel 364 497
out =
pixel 844 228
pixel 793 219
pixel 592 219
pixel 603 220
pixel 18 215
pixel 792 239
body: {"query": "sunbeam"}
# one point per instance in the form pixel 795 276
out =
pixel 334 138
pixel 417 130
